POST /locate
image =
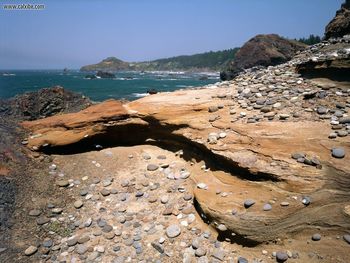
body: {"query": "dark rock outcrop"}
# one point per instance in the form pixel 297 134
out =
pixel 105 75
pixel 152 91
pixel 340 24
pixel 262 50
pixel 90 76
pixel 43 103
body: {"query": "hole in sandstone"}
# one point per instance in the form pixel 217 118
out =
pixel 163 137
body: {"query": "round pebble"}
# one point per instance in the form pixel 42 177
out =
pixel 281 256
pixel 35 212
pixel 338 153
pixel 202 186
pixel 306 200
pixel 316 237
pixel 62 183
pixel 105 192
pixel 81 249
pixel 152 167
pixel 173 231
pixel 222 227
pixel 248 203
pixel 30 250
pixel 242 260
pixel 78 204
pixel 200 252
pixel 332 135
pixel 267 207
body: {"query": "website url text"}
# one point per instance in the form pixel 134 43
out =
pixel 23 6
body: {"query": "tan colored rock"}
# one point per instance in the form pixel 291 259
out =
pixel 246 153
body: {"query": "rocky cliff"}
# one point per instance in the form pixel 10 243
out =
pixel 262 50
pixel 340 24
pixel 261 161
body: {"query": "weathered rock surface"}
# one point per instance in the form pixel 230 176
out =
pixel 340 24
pixel 325 60
pixel 278 157
pixel 262 50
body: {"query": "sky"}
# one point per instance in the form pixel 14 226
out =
pixel 75 33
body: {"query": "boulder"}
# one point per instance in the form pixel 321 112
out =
pixel 262 50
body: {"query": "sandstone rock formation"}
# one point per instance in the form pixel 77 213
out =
pixel 267 137
pixel 262 50
pixel 340 24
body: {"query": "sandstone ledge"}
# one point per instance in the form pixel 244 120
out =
pixel 257 155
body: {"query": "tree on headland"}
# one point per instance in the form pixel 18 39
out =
pixel 311 40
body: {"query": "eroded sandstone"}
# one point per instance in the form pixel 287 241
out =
pixel 268 142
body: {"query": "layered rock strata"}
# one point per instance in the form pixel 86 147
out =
pixel 282 141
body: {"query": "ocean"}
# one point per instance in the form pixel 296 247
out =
pixel 126 85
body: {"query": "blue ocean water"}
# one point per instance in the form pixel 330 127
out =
pixel 126 85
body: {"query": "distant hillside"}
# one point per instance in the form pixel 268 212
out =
pixel 211 61
pixel 108 64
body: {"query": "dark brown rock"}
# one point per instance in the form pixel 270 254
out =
pixel 340 24
pixel 262 50
pixel 43 103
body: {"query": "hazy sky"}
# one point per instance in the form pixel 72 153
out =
pixel 75 33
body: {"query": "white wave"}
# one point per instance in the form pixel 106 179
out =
pixel 166 72
pixel 8 74
pixel 182 86
pixel 209 74
pixel 140 95
pixel 125 78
